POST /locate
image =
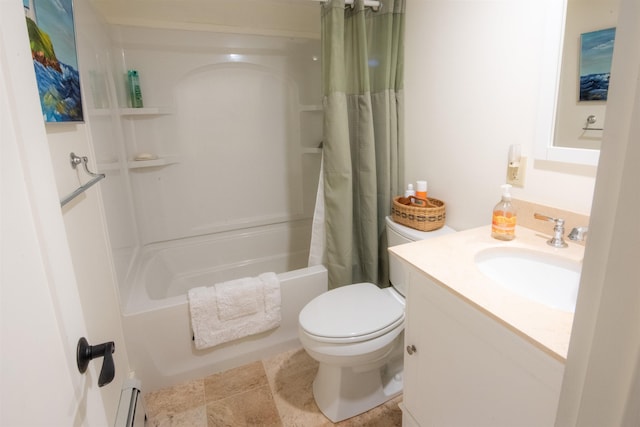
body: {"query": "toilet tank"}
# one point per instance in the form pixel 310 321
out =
pixel 398 234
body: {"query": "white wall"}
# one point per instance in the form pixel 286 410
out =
pixel 39 383
pixel 234 139
pixel 472 86
pixel 43 315
pixel 84 217
pixel 275 17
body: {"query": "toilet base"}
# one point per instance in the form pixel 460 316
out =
pixel 342 393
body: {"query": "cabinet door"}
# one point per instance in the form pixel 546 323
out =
pixel 468 369
pixel 416 342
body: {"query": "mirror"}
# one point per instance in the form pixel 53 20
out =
pixel 589 24
pixel 561 134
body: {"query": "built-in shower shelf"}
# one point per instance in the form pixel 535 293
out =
pixel 145 111
pixel 161 161
pixel 139 164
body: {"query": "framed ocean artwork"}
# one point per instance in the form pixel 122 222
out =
pixel 596 53
pixel 55 59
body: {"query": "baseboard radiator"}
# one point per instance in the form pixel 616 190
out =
pixel 131 412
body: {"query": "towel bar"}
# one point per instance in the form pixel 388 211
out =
pixel 75 161
pixel 591 120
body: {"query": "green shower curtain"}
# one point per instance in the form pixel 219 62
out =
pixel 362 60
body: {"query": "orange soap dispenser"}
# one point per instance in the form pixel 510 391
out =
pixel 503 224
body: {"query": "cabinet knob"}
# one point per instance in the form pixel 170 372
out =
pixel 411 349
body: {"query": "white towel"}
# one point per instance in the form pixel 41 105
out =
pixel 231 310
pixel 236 298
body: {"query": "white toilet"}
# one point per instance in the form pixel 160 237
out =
pixel 356 334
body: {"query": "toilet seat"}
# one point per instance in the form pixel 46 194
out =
pixel 350 314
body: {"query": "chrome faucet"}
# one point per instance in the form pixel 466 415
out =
pixel 557 241
pixel 578 234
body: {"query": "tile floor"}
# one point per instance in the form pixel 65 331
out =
pixel 273 392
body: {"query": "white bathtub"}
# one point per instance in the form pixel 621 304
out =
pixel 156 318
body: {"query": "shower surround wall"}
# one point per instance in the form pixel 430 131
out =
pixel 235 123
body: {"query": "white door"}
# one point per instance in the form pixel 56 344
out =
pixel 41 314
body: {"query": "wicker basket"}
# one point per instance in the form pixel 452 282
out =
pixel 421 218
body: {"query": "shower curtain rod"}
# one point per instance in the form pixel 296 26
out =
pixel 369 3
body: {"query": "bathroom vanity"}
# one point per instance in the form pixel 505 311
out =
pixel 479 353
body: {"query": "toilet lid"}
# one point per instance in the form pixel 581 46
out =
pixel 356 311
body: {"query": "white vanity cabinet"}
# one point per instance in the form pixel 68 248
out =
pixel 468 368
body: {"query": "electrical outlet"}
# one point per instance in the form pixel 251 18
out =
pixel 515 176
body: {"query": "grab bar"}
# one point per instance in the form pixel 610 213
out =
pixel 75 161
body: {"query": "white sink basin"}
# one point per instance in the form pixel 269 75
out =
pixel 538 276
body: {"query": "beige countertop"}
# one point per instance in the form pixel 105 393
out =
pixel 449 262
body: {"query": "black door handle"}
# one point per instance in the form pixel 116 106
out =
pixel 85 353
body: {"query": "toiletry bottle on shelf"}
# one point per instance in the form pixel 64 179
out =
pixel 409 191
pixel 503 224
pixel 421 190
pixel 135 94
